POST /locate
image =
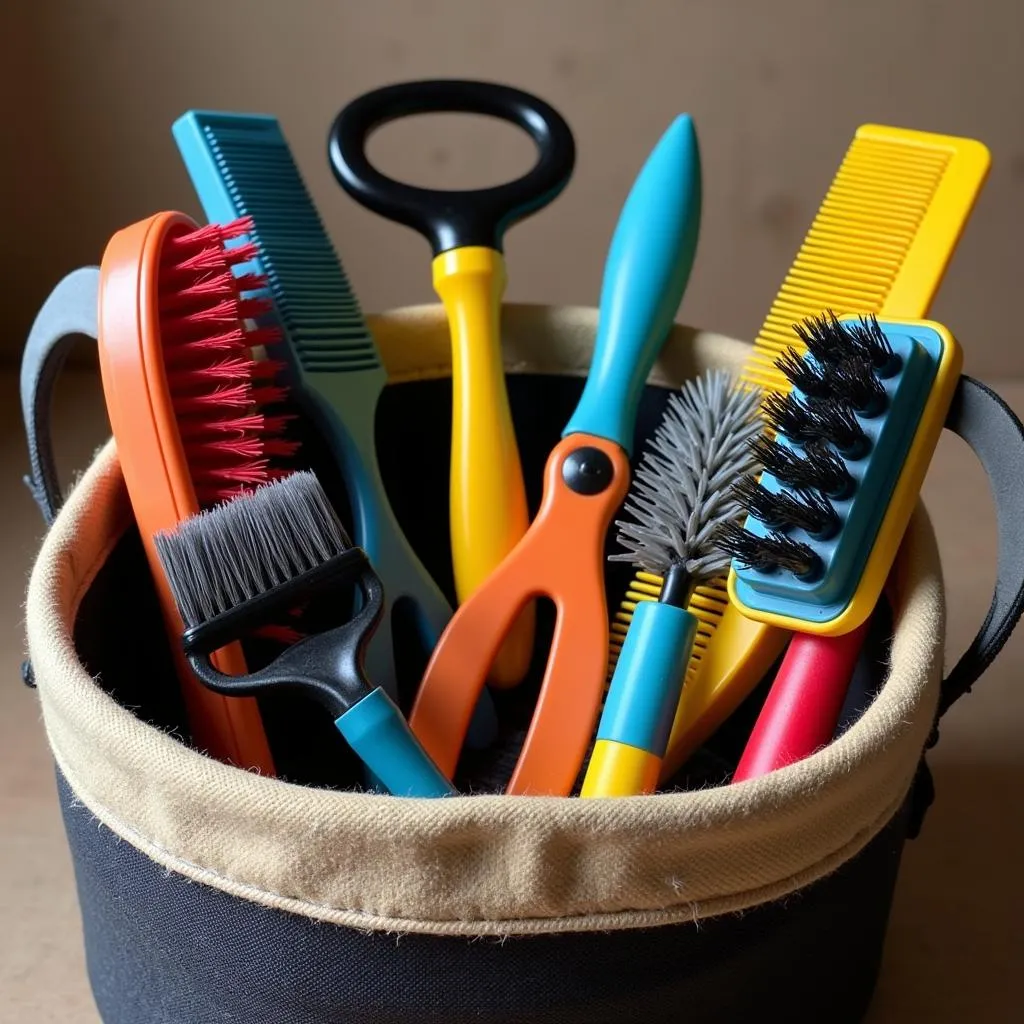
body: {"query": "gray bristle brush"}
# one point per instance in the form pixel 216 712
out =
pixel 686 489
pixel 239 566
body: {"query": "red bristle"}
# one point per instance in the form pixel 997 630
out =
pixel 199 238
pixel 239 396
pixel 243 253
pixel 217 388
pixel 266 369
pixel 280 448
pixel 285 635
pixel 255 423
pixel 205 347
pixel 233 368
pixel 196 261
pixel 224 311
pixel 210 370
pixel 200 290
pixel 254 308
pixel 235 228
pixel 276 424
pixel 240 448
pixel 263 336
pixel 269 395
pixel 250 283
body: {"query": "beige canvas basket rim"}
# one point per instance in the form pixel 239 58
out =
pixel 477 865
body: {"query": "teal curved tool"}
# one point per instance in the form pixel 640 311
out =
pixel 241 166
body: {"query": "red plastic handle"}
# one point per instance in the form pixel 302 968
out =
pixel 803 706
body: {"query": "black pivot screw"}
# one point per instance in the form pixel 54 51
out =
pixel 587 471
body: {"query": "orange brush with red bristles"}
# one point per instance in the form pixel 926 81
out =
pixel 191 410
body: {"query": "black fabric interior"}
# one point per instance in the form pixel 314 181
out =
pixel 120 638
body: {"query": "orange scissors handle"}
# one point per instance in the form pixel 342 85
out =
pixel 561 557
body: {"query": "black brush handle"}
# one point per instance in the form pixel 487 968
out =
pixel 451 219
pixel 328 667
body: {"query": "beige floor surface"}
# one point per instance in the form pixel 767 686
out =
pixel 956 939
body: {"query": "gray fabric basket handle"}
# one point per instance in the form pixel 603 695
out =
pixel 69 313
pixel 996 437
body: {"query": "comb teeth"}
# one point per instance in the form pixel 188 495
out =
pixel 241 549
pixel 210 369
pixel 856 249
pixel 258 178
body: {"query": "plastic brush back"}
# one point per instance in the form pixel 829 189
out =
pixel 844 593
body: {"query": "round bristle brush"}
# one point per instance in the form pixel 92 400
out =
pixel 682 496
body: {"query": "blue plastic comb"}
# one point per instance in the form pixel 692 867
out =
pixel 241 165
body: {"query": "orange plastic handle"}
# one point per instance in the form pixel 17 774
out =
pixel 561 557
pixel 155 470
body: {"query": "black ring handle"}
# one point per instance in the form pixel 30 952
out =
pixel 995 434
pixel 456 218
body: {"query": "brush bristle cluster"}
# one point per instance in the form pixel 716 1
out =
pixel 242 548
pixel 223 395
pixel 684 487
pixel 771 553
pixel 841 384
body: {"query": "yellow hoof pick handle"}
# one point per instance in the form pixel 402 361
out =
pixel 465 229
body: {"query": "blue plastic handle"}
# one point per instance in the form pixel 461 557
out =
pixel 376 730
pixel 648 678
pixel 648 266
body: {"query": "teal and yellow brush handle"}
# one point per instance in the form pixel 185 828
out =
pixel 636 722
pixel 488 510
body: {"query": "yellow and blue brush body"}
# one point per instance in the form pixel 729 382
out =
pixel 684 492
pixel 898 427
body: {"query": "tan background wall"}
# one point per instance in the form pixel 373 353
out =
pixel 777 88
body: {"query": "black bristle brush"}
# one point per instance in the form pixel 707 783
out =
pixel 838 388
pixel 852 439
pixel 240 565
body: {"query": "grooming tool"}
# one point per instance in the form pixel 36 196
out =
pixel 241 165
pixel 879 244
pixel 585 479
pixel 682 494
pixel 241 565
pixel 854 437
pixel 465 229
pixel 802 709
pixel 188 408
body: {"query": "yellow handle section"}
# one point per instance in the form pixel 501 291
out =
pixel 617 769
pixel 488 510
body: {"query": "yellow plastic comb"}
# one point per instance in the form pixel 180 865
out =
pixel 880 243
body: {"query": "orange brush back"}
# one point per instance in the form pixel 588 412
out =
pixel 187 402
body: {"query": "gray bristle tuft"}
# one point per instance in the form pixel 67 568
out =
pixel 229 554
pixel 683 489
